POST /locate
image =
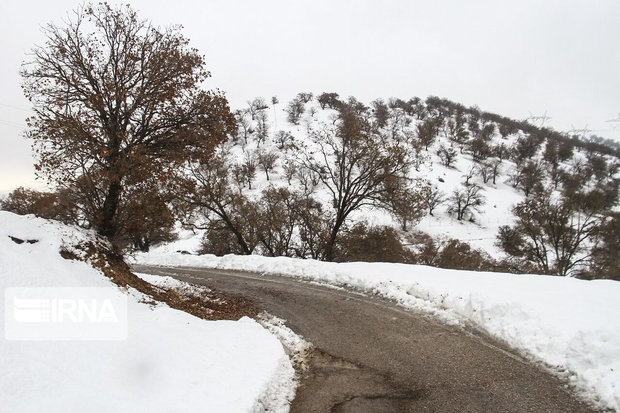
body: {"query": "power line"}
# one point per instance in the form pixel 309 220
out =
pixel 15 107
pixel 10 123
pixel 616 121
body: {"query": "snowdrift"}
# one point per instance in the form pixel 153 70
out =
pixel 569 325
pixel 169 361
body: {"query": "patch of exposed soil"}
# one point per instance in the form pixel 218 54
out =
pixel 208 305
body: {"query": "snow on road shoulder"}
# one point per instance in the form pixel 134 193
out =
pixel 571 325
pixel 277 394
pixel 170 360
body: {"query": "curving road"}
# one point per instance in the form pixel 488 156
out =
pixel 372 356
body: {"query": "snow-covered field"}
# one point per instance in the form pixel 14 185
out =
pixel 570 325
pixel 169 361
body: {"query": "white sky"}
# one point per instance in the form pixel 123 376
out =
pixel 517 58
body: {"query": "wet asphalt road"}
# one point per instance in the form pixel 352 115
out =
pixel 372 356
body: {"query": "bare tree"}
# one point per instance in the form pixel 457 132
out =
pixel 457 130
pixel 605 260
pixel 427 131
pixel 248 168
pixel 529 176
pixel 238 176
pixel 468 197
pixel 501 151
pixel 262 127
pixel 256 105
pixel 308 178
pixel 274 102
pixel 485 171
pixel 381 112
pixel 354 166
pixel 295 109
pixel 432 197
pixel 267 161
pixel 290 170
pixel 283 139
pixel 329 100
pixel 469 175
pixel 496 169
pixel 285 213
pixel 447 154
pixel 398 124
pixel 479 148
pixel 226 211
pixel 278 221
pixel 313 225
pixel 245 124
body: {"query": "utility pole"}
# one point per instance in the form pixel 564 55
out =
pixel 542 119
pixel 274 102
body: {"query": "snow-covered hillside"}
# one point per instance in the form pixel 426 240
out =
pixel 569 325
pixel 168 360
pixel 505 158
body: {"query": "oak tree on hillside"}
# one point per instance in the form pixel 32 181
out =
pixel 553 234
pixel 466 198
pixel 427 131
pixel 432 197
pixel 230 218
pixel 117 100
pixel 404 199
pixel 267 161
pixel 354 164
pixel 295 109
pixel 48 205
pixel 605 260
pixel 447 155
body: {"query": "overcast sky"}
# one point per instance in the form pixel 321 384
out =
pixel 519 58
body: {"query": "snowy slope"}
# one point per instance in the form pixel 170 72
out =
pixel 570 325
pixel 481 232
pixel 170 360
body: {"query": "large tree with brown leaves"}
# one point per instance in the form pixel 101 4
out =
pixel 117 100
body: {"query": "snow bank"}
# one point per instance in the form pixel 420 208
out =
pixel 571 325
pixel 170 361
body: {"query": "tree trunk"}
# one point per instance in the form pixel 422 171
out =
pixel 329 249
pixel 107 225
pixel 244 246
pixel 240 239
